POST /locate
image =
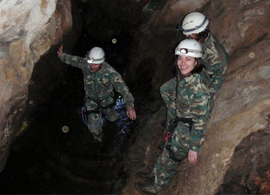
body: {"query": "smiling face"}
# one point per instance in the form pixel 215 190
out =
pixel 95 67
pixel 186 64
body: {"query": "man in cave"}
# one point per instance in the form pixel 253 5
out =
pixel 99 81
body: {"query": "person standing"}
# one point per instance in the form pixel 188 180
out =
pixel 195 25
pixel 99 81
pixel 187 129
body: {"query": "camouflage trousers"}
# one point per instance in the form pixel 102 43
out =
pixel 168 94
pixel 95 119
pixel 165 167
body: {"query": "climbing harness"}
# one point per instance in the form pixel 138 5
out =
pixel 168 138
pixel 85 113
pixel 98 110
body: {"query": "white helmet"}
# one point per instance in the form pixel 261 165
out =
pixel 189 47
pixel 96 56
pixel 194 22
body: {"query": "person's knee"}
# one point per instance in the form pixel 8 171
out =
pixel 112 118
pixel 94 129
pixel 111 115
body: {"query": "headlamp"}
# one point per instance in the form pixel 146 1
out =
pixel 93 61
pixel 90 60
pixel 186 51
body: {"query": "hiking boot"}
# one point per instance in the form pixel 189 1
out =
pixel 146 175
pixel 148 189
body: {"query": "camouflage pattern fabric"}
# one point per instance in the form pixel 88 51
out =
pixel 168 94
pixel 98 88
pixel 193 98
pixel 191 102
pixel 95 121
pixel 215 59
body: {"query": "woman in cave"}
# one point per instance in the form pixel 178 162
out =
pixel 214 58
pixel 187 129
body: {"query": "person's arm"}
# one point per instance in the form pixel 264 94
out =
pixel 121 87
pixel 200 116
pixel 214 54
pixel 69 59
pixel 215 60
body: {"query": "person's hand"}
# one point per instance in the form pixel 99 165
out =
pixel 131 113
pixel 60 51
pixel 192 157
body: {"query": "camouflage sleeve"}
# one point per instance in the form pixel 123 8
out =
pixel 200 116
pixel 215 60
pixel 214 54
pixel 72 60
pixel 121 87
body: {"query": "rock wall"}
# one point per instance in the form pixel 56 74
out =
pixel 28 29
pixel 242 105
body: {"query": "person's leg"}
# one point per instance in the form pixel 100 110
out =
pixel 166 166
pixel 95 124
pixel 164 170
pixel 94 117
pixel 168 94
pixel 108 109
pixel 110 114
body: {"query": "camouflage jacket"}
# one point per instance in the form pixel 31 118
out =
pixel 192 102
pixel 99 85
pixel 214 56
pixel 214 59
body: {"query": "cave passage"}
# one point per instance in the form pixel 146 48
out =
pixel 50 159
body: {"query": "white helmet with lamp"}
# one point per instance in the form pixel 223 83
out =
pixel 96 56
pixel 189 47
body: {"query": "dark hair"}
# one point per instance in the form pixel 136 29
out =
pixel 203 35
pixel 197 69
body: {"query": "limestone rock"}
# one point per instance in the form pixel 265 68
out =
pixel 28 29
